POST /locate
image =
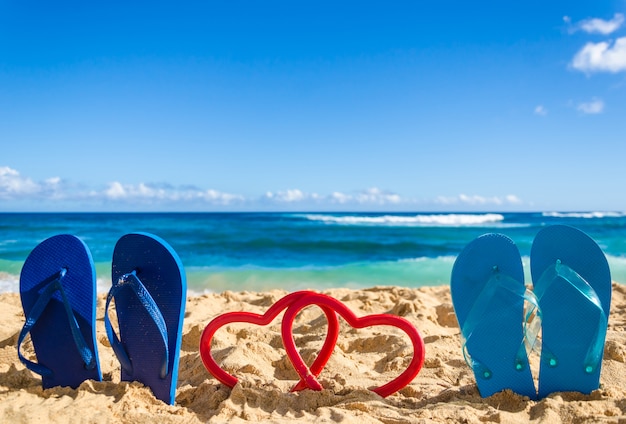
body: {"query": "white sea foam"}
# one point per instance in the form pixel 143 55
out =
pixel 585 215
pixel 103 285
pixel 617 264
pixel 9 283
pixel 443 259
pixel 434 220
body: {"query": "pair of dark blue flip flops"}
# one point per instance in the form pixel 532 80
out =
pixel 58 292
pixel 501 319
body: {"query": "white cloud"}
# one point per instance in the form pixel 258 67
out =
pixel 12 184
pixel 512 199
pixel 601 57
pixel 593 107
pixel 119 191
pixel 337 197
pixel 596 25
pixel 115 191
pixel 288 196
pixel 55 193
pixel 475 200
pixel 217 197
pixel 155 193
pixel 541 110
pixel 371 196
pixel 377 196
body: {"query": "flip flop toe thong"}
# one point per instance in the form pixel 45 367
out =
pixel 149 289
pixel 489 296
pixel 58 293
pixel 572 282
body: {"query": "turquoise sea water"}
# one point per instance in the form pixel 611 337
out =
pixel 292 251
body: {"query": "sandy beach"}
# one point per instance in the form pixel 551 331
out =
pixel 443 392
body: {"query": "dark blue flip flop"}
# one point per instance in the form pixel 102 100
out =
pixel 150 289
pixel 488 294
pixel 572 282
pixel 58 292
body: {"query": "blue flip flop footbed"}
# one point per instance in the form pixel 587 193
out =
pixel 489 295
pixel 149 290
pixel 572 281
pixel 58 293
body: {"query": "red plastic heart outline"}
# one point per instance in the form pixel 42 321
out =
pixel 323 301
pixel 230 317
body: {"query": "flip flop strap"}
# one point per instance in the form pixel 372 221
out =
pixel 499 281
pixel 133 282
pixel 44 298
pixel 562 272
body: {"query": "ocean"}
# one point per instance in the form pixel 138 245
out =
pixel 293 251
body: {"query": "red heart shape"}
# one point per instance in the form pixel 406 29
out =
pixel 367 321
pixel 270 314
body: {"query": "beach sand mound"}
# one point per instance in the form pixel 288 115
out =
pixel 444 391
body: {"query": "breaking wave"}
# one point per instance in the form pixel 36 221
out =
pixel 585 215
pixel 435 220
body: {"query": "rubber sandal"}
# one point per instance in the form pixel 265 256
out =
pixel 489 298
pixel 572 282
pixel 58 293
pixel 149 289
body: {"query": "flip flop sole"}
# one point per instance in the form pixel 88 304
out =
pixel 161 272
pixel 51 336
pixel 570 321
pixel 497 327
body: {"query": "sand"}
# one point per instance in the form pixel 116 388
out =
pixel 443 392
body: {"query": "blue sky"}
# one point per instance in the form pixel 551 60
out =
pixel 313 105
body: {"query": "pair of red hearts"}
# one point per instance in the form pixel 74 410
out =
pixel 294 303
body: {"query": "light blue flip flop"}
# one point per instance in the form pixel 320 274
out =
pixel 572 282
pixel 58 293
pixel 488 293
pixel 150 290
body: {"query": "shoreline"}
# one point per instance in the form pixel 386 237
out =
pixel 444 390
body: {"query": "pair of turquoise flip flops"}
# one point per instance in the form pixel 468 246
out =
pixel 500 318
pixel 58 292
